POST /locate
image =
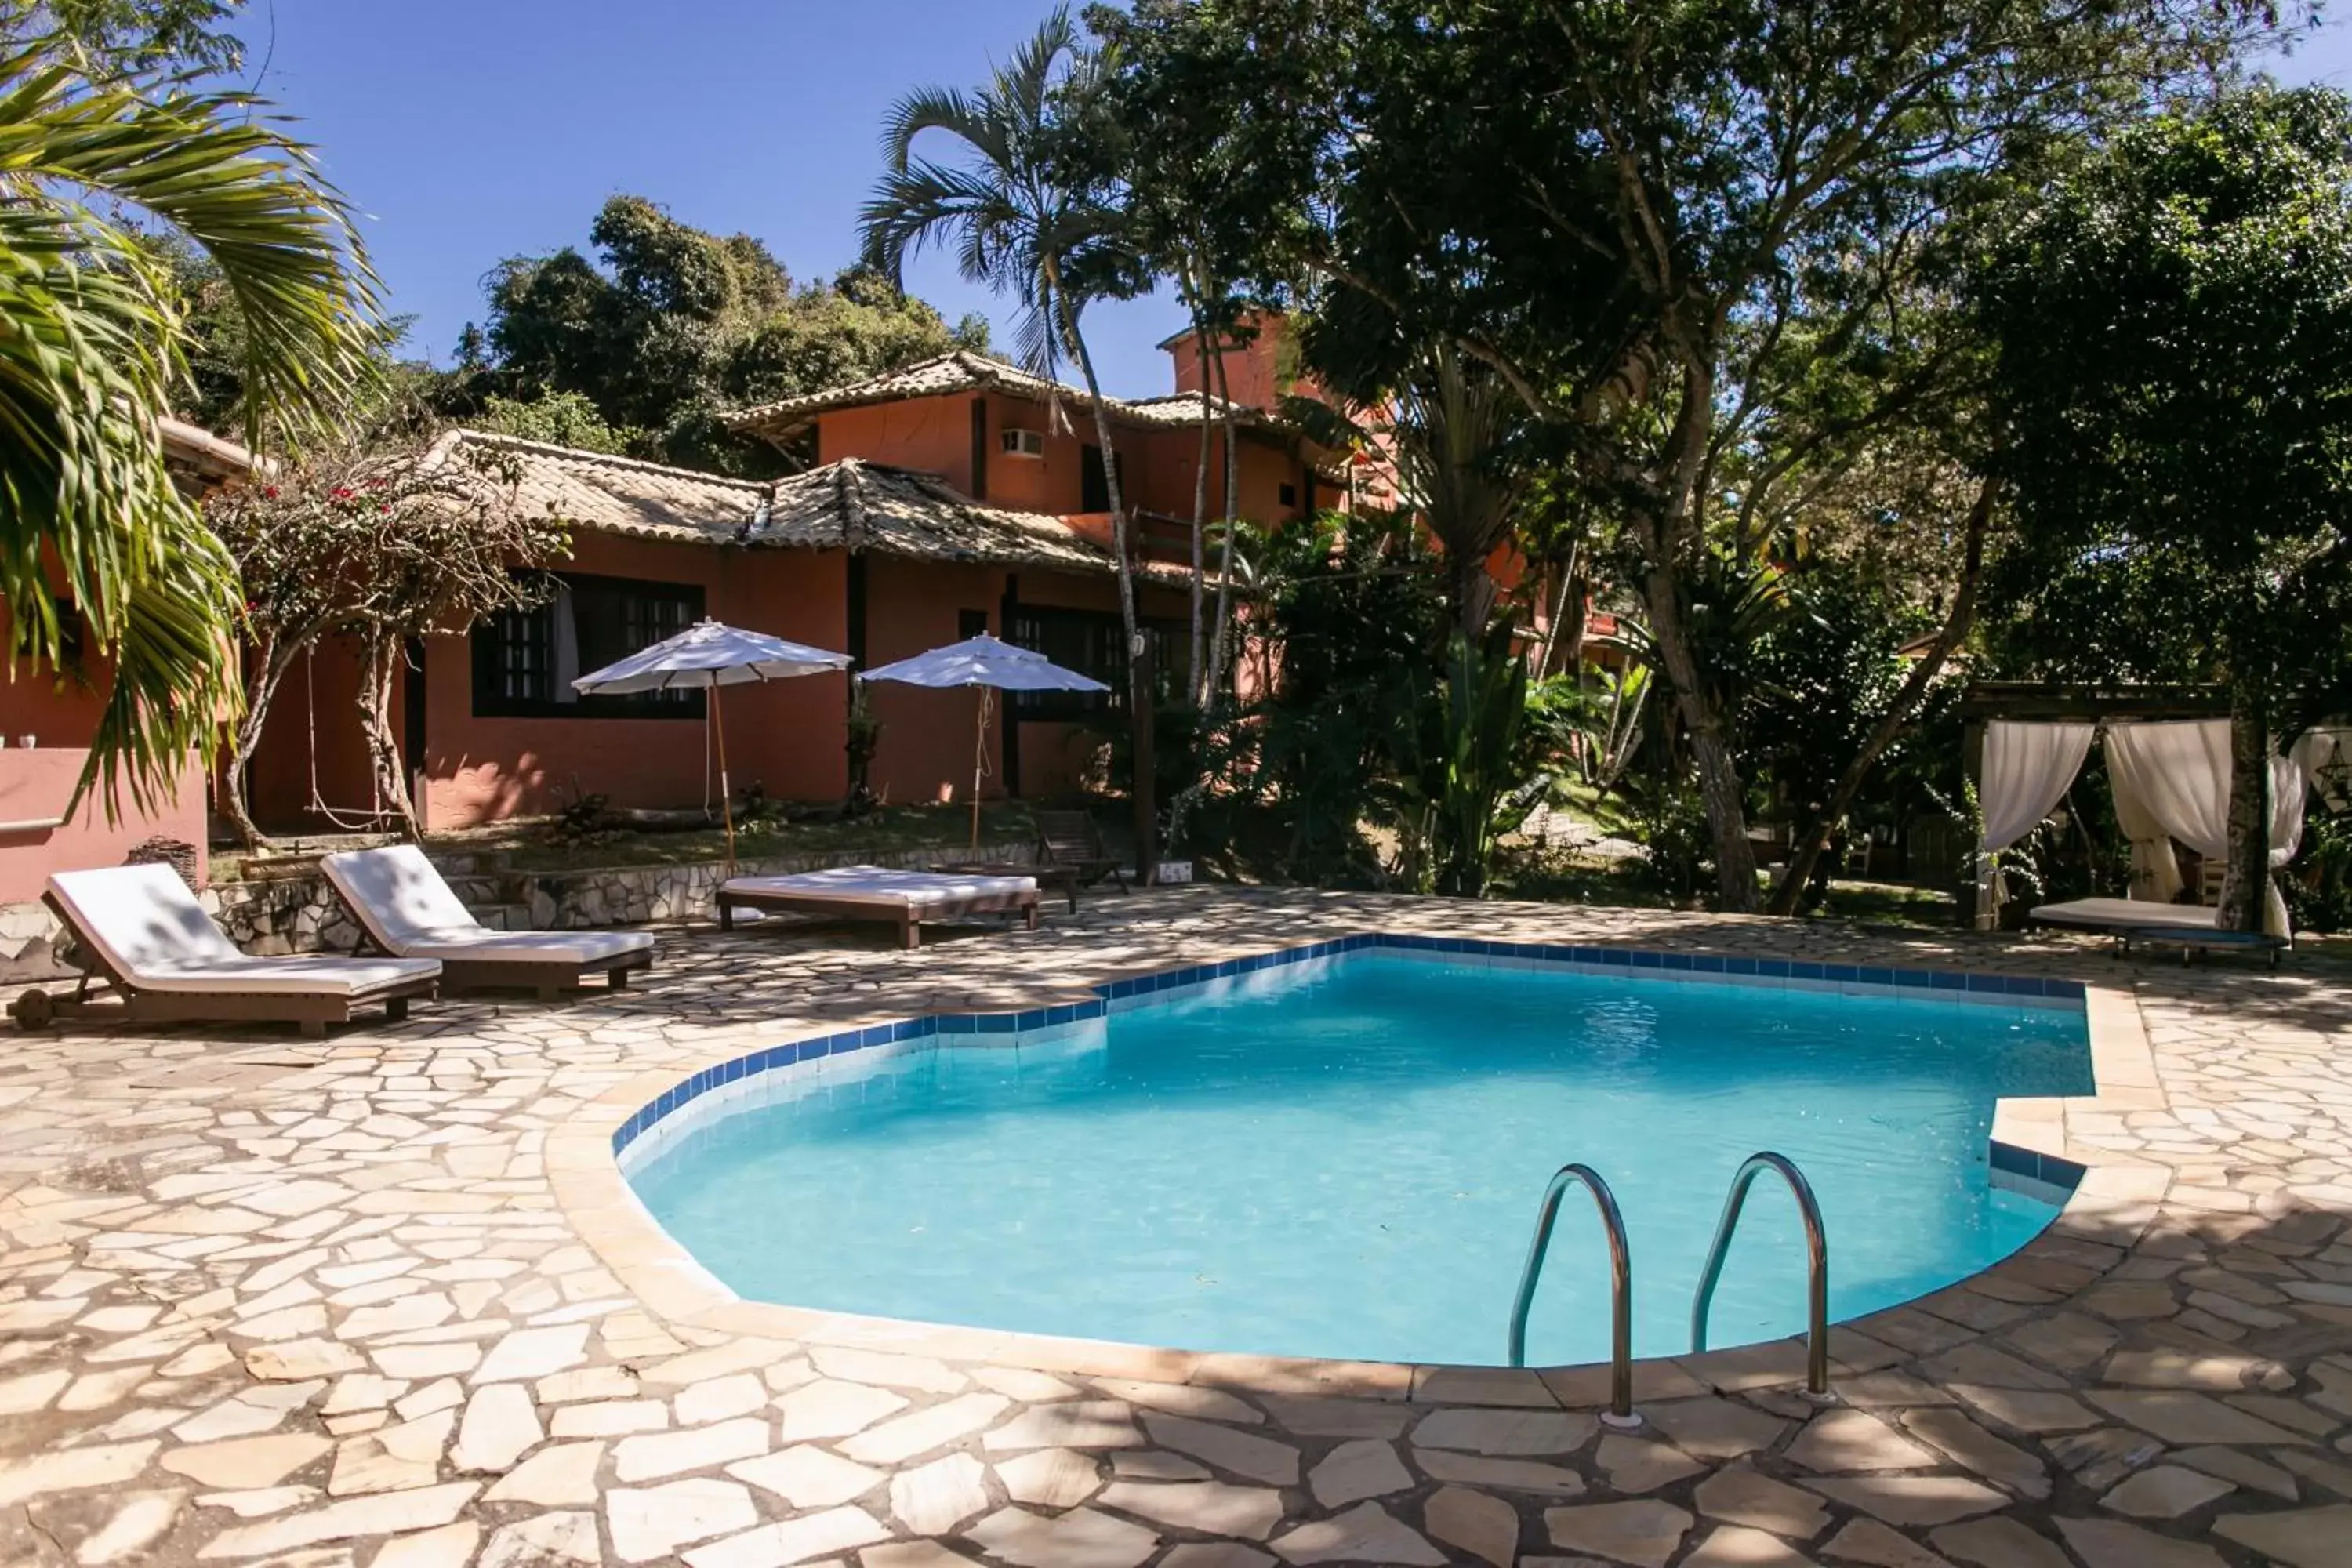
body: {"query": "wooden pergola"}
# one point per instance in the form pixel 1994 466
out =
pixel 2053 701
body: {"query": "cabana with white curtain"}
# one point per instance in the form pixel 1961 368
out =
pixel 2168 752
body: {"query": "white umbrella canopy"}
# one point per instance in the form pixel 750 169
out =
pixel 708 653
pixel 990 665
pixel 707 656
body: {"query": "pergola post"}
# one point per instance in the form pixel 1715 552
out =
pixel 1980 903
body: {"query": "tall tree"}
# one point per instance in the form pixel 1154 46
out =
pixel 1027 217
pixel 2175 386
pixel 91 360
pixel 1657 184
pixel 668 327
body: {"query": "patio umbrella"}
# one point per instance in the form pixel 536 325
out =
pixel 706 657
pixel 993 667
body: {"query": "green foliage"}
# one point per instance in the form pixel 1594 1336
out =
pixel 1458 755
pixel 2318 886
pixel 1347 612
pixel 670 327
pixel 134 38
pixel 558 419
pixel 92 353
pixel 2175 386
pixel 1820 681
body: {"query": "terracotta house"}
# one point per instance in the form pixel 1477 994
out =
pixel 955 496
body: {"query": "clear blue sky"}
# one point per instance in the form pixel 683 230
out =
pixel 468 133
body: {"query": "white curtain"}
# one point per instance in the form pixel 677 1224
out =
pixel 2179 774
pixel 2155 869
pixel 2286 837
pixel 567 645
pixel 2027 768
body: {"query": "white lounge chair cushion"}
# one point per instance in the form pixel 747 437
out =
pixel 477 944
pixel 150 931
pixel 2126 914
pixel 917 889
pixel 409 910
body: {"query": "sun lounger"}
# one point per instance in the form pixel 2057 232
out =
pixel 903 899
pixel 140 928
pixel 2185 926
pixel 1070 839
pixel 409 912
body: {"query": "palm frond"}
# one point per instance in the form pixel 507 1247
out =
pixel 90 355
pixel 234 185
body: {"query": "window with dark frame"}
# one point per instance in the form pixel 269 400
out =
pixel 1093 480
pixel 523 660
pixel 970 623
pixel 1289 495
pixel 1093 643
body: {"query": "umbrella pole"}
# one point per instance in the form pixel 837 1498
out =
pixel 978 765
pixel 726 794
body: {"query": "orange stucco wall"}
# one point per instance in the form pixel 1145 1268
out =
pixel 1158 464
pixel 787 736
pixel 36 783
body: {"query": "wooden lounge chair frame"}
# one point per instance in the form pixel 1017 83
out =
pixel 868 907
pixel 311 1011
pixel 548 979
pixel 1071 838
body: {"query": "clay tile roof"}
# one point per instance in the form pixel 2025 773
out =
pixel 964 371
pixel 855 505
pixel 844 505
pixel 622 495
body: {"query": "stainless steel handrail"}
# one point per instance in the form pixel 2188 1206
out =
pixel 1620 1414
pixel 1817 1287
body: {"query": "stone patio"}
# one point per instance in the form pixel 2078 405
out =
pixel 351 1302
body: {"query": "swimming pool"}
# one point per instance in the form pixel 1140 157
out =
pixel 1342 1157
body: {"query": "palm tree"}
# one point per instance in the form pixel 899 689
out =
pixel 1020 220
pixel 91 351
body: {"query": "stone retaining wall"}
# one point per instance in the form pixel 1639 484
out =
pixel 271 917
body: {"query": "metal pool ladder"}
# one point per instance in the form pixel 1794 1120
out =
pixel 1620 1414
pixel 1817 1268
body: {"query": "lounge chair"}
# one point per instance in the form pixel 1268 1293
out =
pixel 168 963
pixel 409 912
pixel 903 899
pixel 2185 926
pixel 1070 839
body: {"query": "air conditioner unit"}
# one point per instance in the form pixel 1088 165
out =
pixel 1024 443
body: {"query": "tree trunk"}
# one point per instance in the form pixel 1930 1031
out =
pixel 378 660
pixel 1139 670
pixel 274 659
pixel 1790 889
pixel 1473 593
pixel 2248 877
pixel 1221 636
pixel 1719 769
pixel 1194 673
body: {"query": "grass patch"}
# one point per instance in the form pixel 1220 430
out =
pixel 890 830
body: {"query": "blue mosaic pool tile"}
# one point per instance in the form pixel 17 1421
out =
pixel 996 1023
pixel 1947 980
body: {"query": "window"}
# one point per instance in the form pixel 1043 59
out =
pixel 1289 495
pixel 1093 481
pixel 525 660
pixel 1092 643
pixel 970 623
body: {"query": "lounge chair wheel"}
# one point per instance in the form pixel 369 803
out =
pixel 36 1009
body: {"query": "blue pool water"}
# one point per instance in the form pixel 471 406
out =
pixel 1344 1159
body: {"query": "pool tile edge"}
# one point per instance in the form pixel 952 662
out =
pixel 2112 1202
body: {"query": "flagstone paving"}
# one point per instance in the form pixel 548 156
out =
pixel 320 1303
